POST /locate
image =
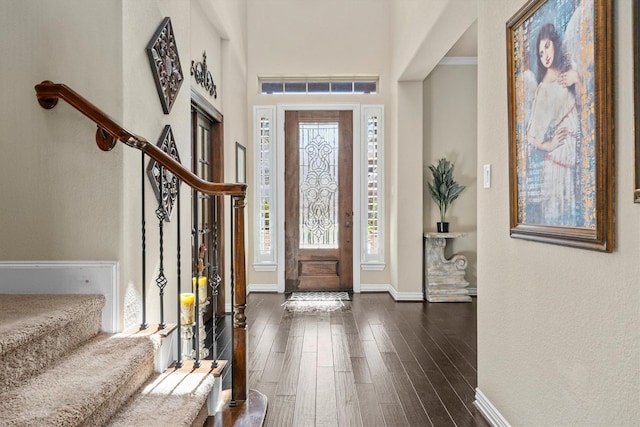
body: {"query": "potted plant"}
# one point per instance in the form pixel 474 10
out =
pixel 444 190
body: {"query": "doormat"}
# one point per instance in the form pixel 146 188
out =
pixel 320 296
pixel 315 307
pixel 318 302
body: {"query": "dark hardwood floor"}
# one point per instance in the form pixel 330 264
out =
pixel 376 363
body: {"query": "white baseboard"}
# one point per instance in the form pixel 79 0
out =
pixel 256 287
pixel 405 296
pixel 398 296
pixel 489 411
pixel 376 287
pixel 65 277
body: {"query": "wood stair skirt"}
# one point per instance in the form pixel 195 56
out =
pixel 56 368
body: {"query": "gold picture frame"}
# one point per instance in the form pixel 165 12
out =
pixel 560 95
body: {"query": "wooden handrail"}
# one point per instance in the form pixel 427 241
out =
pixel 109 132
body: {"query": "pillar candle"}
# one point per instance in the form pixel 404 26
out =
pixel 202 288
pixel 187 309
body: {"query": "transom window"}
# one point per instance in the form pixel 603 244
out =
pixel 300 85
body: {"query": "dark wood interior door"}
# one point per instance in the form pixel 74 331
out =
pixel 208 164
pixel 318 200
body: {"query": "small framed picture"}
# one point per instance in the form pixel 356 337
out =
pixel 241 163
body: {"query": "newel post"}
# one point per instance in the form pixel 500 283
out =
pixel 239 363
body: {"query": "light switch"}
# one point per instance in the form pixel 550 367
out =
pixel 487 176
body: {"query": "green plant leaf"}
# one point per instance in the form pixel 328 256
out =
pixel 444 189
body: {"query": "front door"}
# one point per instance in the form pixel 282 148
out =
pixel 318 200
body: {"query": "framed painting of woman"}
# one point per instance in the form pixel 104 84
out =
pixel 560 92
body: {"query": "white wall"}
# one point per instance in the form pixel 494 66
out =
pixel 69 200
pixel 424 31
pixel 391 39
pixel 450 131
pixel 558 335
pixel 198 27
pixel 53 175
pixel 406 191
pixel 144 116
pixel 232 14
pixel 333 37
pixel 206 38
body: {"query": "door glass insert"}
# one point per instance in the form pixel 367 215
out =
pixel 318 185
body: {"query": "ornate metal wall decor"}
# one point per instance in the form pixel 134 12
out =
pixel 165 64
pixel 165 187
pixel 203 75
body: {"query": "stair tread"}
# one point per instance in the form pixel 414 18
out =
pixel 69 392
pixel 173 398
pixel 24 317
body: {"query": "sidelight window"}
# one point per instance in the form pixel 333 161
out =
pixel 265 237
pixel 373 188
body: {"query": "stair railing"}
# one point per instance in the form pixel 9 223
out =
pixel 107 135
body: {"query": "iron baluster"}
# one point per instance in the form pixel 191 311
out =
pixel 214 279
pixel 179 362
pixel 194 254
pixel 161 281
pixel 143 324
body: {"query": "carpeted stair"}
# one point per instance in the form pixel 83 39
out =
pixel 57 369
pixel 35 330
pixel 174 398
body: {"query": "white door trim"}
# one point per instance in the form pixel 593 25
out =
pixel 357 183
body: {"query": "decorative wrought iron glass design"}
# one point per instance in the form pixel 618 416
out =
pixel 165 64
pixel 203 76
pixel 165 187
pixel 319 185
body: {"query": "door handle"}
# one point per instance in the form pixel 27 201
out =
pixel 348 224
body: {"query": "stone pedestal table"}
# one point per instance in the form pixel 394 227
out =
pixel 444 278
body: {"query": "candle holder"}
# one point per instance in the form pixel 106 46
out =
pixel 204 351
pixel 187 341
pixel 201 283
